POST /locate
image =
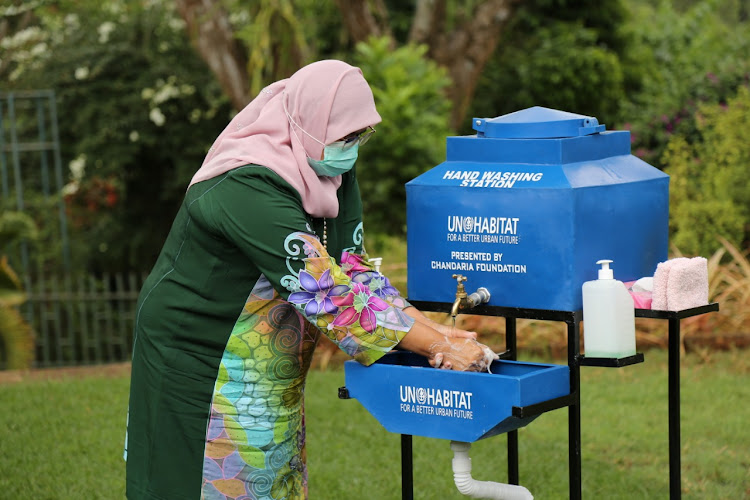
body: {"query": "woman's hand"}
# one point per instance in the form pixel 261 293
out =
pixel 455 352
pixel 461 354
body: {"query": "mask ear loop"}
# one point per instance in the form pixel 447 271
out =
pixel 295 124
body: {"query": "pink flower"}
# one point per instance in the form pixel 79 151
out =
pixel 359 306
pixel 351 262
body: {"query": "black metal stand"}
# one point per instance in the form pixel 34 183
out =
pixel 612 362
pixel 674 317
pixel 407 470
pixel 573 321
pixel 510 349
pixel 573 401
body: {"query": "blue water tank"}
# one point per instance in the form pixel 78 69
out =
pixel 528 205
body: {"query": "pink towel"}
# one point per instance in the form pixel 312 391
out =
pixel 680 284
pixel 661 277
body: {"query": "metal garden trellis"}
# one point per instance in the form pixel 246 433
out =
pixel 78 319
pixel 28 121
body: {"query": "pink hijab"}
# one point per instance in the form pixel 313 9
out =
pixel 328 99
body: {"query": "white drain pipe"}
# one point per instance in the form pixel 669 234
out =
pixel 481 489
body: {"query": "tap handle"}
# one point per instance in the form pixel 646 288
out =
pixel 460 290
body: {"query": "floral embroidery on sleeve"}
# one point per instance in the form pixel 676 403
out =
pixel 360 271
pixel 318 295
pixel 347 303
pixel 359 306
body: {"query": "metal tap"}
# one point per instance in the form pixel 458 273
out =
pixel 464 300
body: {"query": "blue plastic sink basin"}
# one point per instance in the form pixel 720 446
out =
pixel 407 396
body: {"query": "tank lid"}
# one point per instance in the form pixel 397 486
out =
pixel 537 123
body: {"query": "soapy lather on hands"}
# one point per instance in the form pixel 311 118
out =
pixel 457 349
pixel 462 355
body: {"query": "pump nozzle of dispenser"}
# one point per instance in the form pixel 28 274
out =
pixel 605 273
pixel 376 262
pixel 465 301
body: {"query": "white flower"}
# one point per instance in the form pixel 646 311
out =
pixel 113 8
pixel 69 188
pixel 134 136
pixel 165 93
pixel 176 24
pixel 21 38
pixel 157 117
pixel 77 167
pixel 39 49
pixel 239 16
pixel 104 31
pixel 147 94
pixel 72 21
pixel 81 73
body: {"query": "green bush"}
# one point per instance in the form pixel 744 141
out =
pixel 686 57
pixel 561 54
pixel 137 112
pixel 409 94
pixel 709 192
pixel 561 67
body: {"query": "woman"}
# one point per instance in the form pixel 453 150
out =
pixel 228 320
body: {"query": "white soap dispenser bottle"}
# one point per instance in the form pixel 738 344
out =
pixel 608 316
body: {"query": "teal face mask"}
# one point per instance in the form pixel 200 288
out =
pixel 338 157
pixel 336 160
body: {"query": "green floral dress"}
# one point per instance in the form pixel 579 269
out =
pixel 226 326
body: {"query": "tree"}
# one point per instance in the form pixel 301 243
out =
pixel 409 92
pixel 137 112
pixel 409 88
pixel 561 54
pixel 15 21
pixel 459 36
pixel 211 33
pixel 263 43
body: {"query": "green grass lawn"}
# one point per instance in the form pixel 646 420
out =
pixel 62 439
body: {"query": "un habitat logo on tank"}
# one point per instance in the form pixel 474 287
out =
pixel 479 229
pixel 485 231
pixel 483 225
pixel 492 179
pixel 438 402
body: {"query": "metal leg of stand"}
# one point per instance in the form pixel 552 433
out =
pixel 510 346
pixel 513 477
pixel 574 410
pixel 674 409
pixel 407 478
